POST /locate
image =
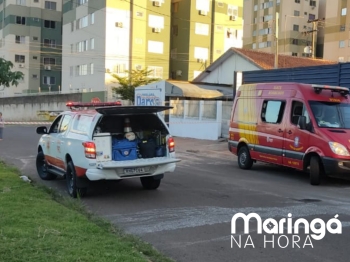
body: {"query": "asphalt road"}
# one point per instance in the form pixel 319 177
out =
pixel 189 217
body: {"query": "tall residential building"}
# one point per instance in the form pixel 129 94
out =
pixel 105 37
pixel 336 31
pixel 295 29
pixel 31 38
pixel 202 30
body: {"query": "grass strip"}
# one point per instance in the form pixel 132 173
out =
pixel 38 224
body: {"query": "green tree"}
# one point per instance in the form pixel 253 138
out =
pixel 7 76
pixel 134 79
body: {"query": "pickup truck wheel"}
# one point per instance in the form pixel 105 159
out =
pixel 316 171
pixel 244 159
pixel 42 167
pixel 71 179
pixel 150 183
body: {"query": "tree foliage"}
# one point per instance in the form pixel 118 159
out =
pixel 7 76
pixel 134 79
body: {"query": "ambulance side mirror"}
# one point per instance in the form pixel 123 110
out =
pixel 302 122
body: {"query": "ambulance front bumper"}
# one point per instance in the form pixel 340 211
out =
pixel 336 167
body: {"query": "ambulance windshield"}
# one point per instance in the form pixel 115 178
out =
pixel 330 114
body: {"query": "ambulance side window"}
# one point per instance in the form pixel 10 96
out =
pixel 272 111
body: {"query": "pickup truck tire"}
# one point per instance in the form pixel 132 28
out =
pixel 316 170
pixel 71 179
pixel 244 159
pixel 42 167
pixel 150 183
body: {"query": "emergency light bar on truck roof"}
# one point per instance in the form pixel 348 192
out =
pixel 88 104
pixel 342 90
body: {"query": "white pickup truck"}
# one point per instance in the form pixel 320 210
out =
pixel 106 142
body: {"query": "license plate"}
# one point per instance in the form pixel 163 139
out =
pixel 137 170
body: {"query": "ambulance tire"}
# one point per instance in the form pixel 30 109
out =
pixel 244 159
pixel 42 167
pixel 71 179
pixel 316 170
pixel 150 183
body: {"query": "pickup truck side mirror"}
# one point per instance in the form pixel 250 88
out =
pixel 41 130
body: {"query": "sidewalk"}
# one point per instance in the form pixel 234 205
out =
pixel 199 145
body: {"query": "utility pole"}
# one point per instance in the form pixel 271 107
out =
pixel 313 31
pixel 276 35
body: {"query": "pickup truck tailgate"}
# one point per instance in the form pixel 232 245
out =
pixel 142 162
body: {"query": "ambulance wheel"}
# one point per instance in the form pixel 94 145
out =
pixel 316 170
pixel 71 179
pixel 150 183
pixel 244 159
pixel 42 167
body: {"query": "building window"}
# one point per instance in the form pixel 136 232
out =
pixel 312 17
pixel 82 22
pixel 341 44
pixel 35 57
pixel 342 28
pixel 297 1
pixel 92 68
pixel 296 28
pixel 232 10
pixel 255 7
pixel 341 59
pixel 20 58
pixel 278 2
pixel 343 11
pixel 72 48
pixel 92 43
pixel 254 46
pixel 50 5
pixel 81 70
pixel 201 53
pixel 20 20
pixel 175 30
pixel 202 29
pixel 49 80
pixel 21 2
pixel 119 68
pixel 156 21
pixel 272 111
pixel 20 39
pixel 35 76
pixel 156 71
pixel 49 24
pixel 49 61
pixel 313 3
pixel 139 14
pixel 155 47
pixel 93 18
pixel 296 13
pixel 295 41
pixel 294 54
pixel 49 43
pixel 72 26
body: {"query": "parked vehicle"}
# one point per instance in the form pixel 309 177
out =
pixel 107 142
pixel 302 126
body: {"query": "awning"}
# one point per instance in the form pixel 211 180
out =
pixel 185 89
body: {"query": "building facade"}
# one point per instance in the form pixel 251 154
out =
pixel 336 36
pixel 106 37
pixel 31 38
pixel 202 30
pixel 297 26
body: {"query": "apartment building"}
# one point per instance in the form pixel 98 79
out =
pixel 295 29
pixel 31 38
pixel 202 30
pixel 106 37
pixel 336 30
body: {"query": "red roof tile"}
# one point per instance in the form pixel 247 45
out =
pixel 267 60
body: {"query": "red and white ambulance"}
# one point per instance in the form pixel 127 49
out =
pixel 106 141
pixel 302 126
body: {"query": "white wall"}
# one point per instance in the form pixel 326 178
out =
pixel 223 74
pixel 198 127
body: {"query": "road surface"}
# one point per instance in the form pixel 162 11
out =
pixel 189 217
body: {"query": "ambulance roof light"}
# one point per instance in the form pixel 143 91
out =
pixel 91 104
pixel 344 91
